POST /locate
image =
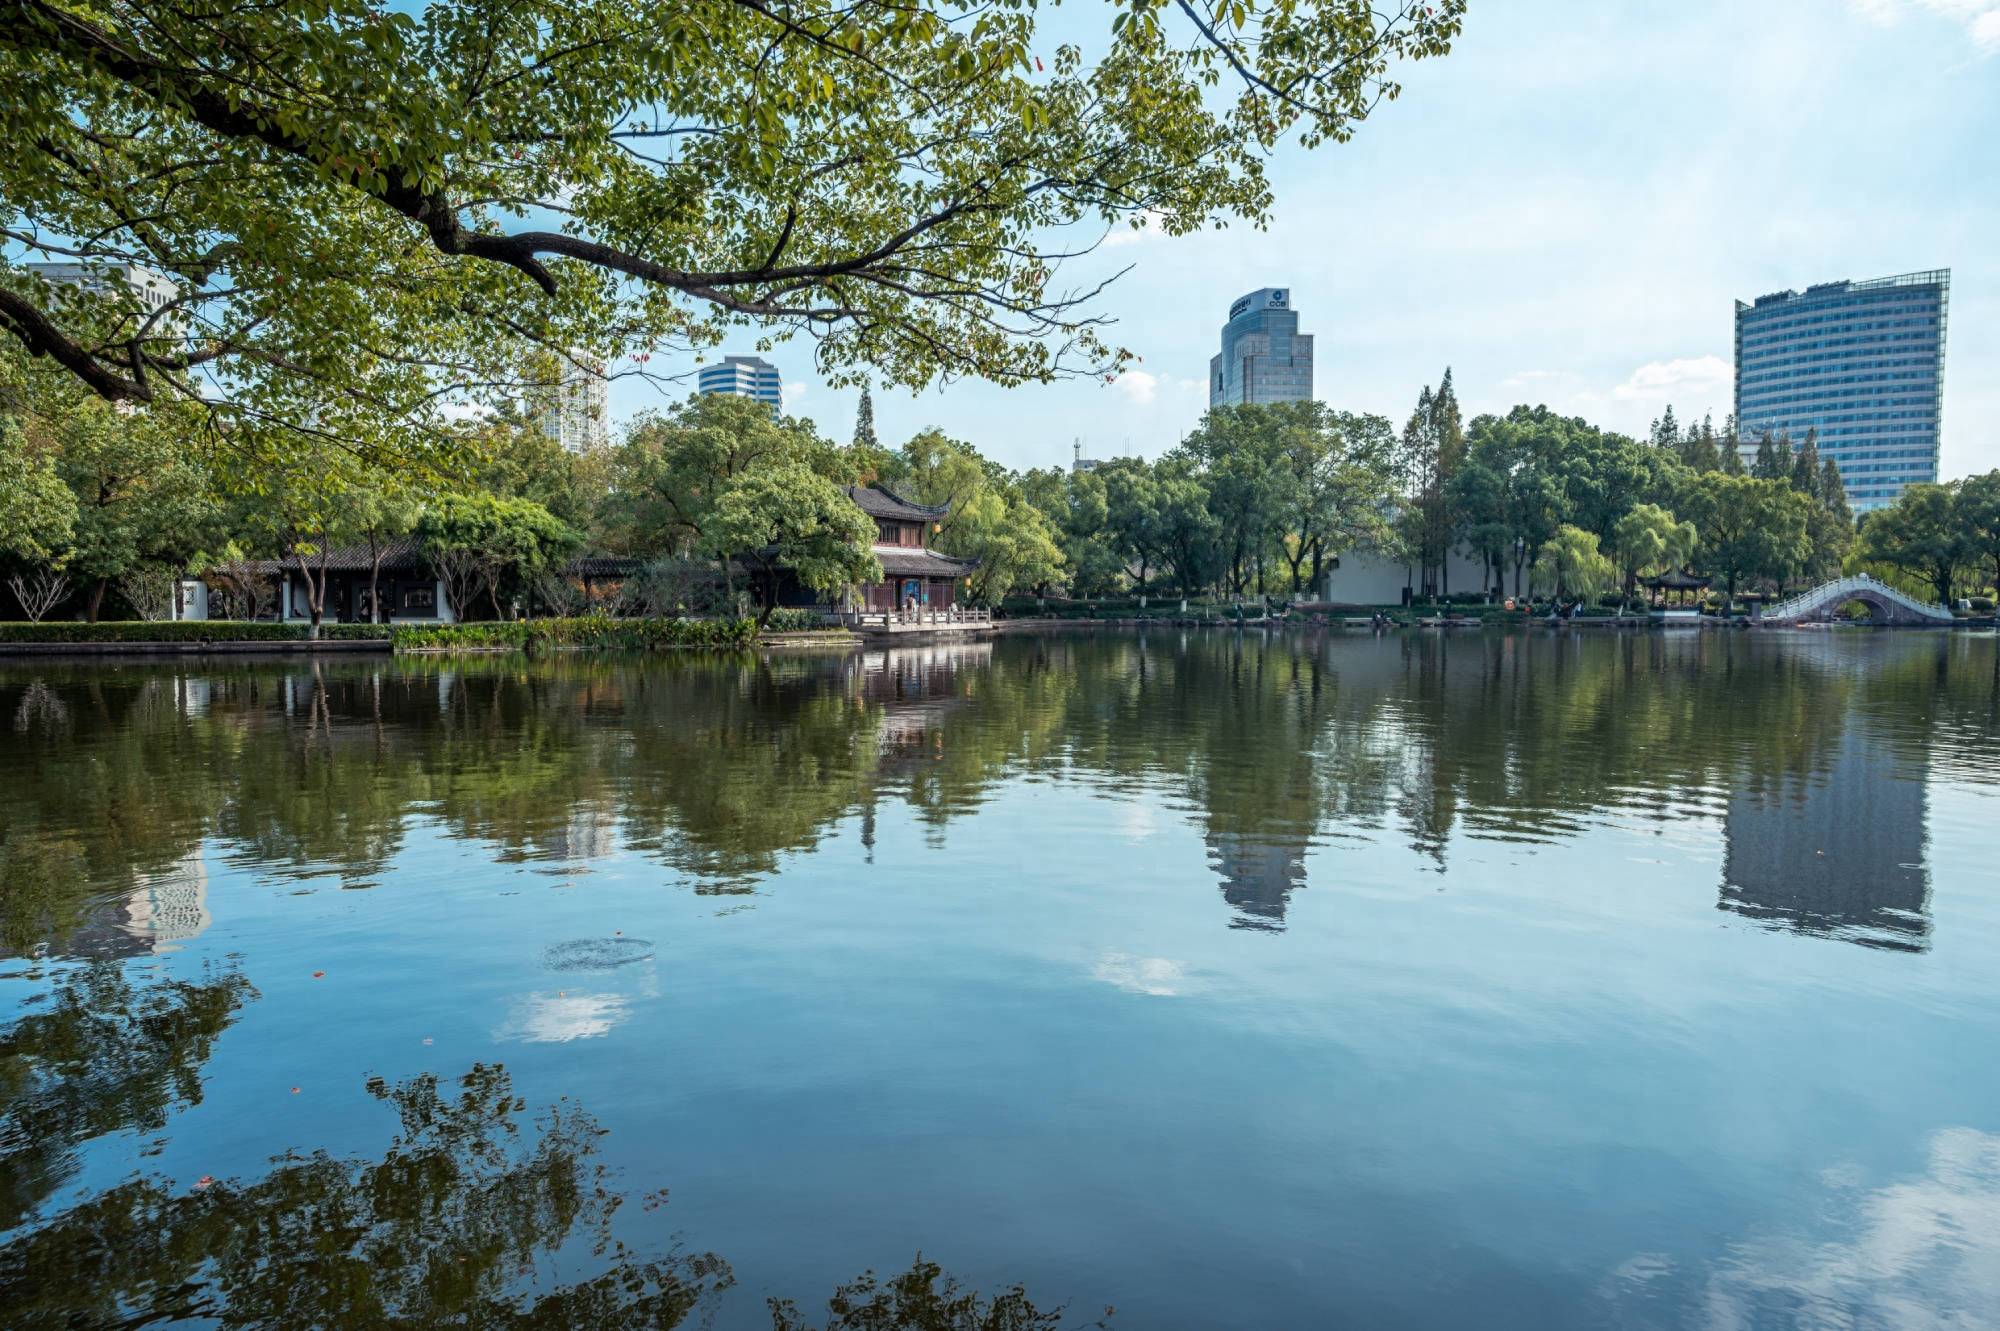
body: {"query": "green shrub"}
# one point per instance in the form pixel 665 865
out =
pixel 584 631
pixel 794 619
pixel 184 630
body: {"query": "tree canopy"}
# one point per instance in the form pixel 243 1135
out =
pixel 366 208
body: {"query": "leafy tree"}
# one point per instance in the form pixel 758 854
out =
pixel 674 468
pixel 351 196
pixel 37 511
pixel 989 518
pixel 1749 527
pixel 1978 510
pixel 1190 537
pixel 1134 523
pixel 301 510
pixel 1923 534
pixel 789 517
pixel 1433 447
pixel 139 495
pixel 1650 538
pixel 1076 506
pixel 1341 485
pixel 380 511
pixel 1570 564
pixel 480 544
pixel 1239 452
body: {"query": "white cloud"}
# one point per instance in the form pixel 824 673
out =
pixel 1979 18
pixel 793 391
pixel 1138 385
pixel 1684 377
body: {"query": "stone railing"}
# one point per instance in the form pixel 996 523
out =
pixel 1831 594
pixel 922 617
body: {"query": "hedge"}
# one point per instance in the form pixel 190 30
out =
pixel 587 631
pixel 183 630
pixel 794 619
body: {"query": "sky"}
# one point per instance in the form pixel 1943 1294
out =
pixel 1564 210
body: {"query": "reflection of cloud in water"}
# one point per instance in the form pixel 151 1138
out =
pixel 1135 820
pixel 1159 976
pixel 1918 1255
pixel 563 1016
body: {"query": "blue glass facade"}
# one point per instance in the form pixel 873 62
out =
pixel 1264 356
pixel 1860 362
pixel 749 376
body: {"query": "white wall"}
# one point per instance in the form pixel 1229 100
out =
pixel 1366 578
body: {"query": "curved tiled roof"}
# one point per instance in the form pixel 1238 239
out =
pixel 898 562
pixel 879 501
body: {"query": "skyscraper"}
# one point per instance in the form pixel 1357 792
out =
pixel 572 411
pixel 1264 356
pixel 748 376
pixel 1860 362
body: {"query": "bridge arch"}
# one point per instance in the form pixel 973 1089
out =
pixel 1886 604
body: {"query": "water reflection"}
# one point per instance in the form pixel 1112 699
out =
pixel 1838 850
pixel 100 1054
pixel 471 1216
pixel 1273 748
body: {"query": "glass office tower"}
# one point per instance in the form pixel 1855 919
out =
pixel 1862 363
pixel 1264 356
pixel 748 376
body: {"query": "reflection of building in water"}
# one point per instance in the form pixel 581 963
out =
pixel 916 689
pixel 589 833
pixel 1258 875
pixel 1839 852
pixel 171 906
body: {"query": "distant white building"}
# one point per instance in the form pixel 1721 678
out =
pixel 573 413
pixel 149 290
pixel 1367 577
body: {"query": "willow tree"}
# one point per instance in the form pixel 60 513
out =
pixel 369 208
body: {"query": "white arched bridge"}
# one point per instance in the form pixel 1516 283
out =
pixel 1823 602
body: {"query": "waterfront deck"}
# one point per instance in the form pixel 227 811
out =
pixel 915 623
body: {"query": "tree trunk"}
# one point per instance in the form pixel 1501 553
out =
pixel 493 597
pixel 96 599
pixel 374 584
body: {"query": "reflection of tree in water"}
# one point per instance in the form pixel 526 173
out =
pixel 453 1226
pixel 923 1298
pixel 459 1223
pixel 100 1056
pixel 721 768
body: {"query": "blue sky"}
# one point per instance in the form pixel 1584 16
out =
pixel 1564 211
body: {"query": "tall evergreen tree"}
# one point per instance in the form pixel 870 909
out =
pixel 1666 430
pixel 1774 458
pixel 864 421
pixel 1833 492
pixel 1699 449
pixel 1805 467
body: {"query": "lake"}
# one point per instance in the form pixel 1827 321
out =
pixel 1494 980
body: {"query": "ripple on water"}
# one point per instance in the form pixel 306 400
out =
pixel 597 954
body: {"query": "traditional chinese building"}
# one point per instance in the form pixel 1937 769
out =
pixel 911 571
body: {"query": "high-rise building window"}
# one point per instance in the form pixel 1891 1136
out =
pixel 1862 363
pixel 746 376
pixel 1264 357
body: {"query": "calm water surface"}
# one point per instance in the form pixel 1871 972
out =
pixel 1485 981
